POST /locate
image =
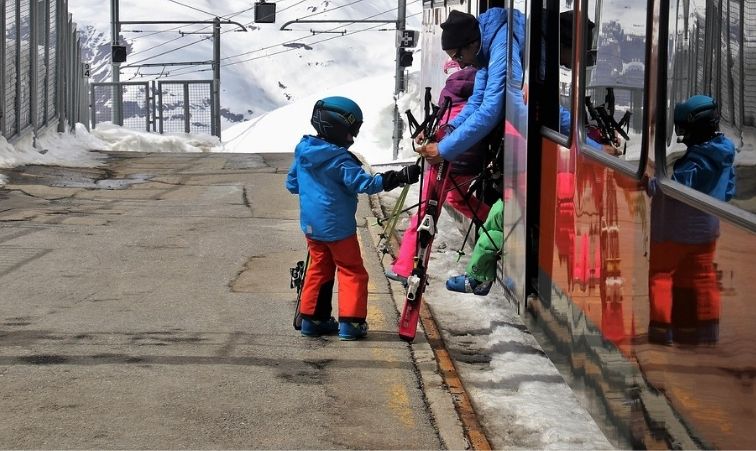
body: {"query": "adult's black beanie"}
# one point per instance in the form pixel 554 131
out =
pixel 459 29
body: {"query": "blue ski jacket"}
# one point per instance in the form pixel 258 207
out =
pixel 709 168
pixel 485 108
pixel 328 178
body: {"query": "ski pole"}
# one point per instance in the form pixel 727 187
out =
pixel 388 231
pixel 461 252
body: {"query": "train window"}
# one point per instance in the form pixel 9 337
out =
pixel 708 55
pixel 565 65
pixel 555 71
pixel 615 72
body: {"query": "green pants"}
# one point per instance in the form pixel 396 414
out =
pixel 482 266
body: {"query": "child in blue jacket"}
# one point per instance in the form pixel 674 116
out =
pixel 683 292
pixel 328 178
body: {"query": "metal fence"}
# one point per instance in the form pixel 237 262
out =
pixel 42 82
pixel 134 98
pixel 186 106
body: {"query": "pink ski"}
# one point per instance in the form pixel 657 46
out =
pixel 429 211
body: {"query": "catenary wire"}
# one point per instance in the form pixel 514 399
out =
pixel 196 31
pixel 263 48
pixel 282 51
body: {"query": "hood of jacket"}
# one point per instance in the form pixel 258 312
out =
pixel 313 151
pixel 459 86
pixel 718 149
pixel 494 21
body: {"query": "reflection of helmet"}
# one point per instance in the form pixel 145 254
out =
pixel 696 119
pixel 335 118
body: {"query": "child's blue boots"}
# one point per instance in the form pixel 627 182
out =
pixel 349 331
pixel 316 328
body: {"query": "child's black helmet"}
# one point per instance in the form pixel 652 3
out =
pixel 337 120
pixel 696 119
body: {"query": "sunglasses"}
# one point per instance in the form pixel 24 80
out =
pixel 457 55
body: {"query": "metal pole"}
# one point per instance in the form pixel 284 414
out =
pixel 187 113
pixel 3 112
pixel 216 77
pixel 160 105
pixel 398 77
pixel 34 67
pixel 154 101
pixel 115 28
pixel 60 68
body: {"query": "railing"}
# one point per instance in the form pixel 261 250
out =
pixel 43 81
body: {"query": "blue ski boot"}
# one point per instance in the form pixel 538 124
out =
pixel 316 328
pixel 349 331
pixel 467 284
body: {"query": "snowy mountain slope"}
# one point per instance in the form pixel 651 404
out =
pixel 262 69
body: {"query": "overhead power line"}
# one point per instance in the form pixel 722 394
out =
pixel 228 16
pixel 283 51
pixel 263 48
pixel 194 8
pixel 298 39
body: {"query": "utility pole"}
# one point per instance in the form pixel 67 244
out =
pixel 401 22
pixel 216 75
pixel 115 31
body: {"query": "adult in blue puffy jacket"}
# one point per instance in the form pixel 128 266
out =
pixel 483 43
pixel 683 291
pixel 328 179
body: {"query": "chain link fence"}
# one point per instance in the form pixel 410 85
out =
pixel 169 107
pixel 42 82
pixel 135 101
pixel 186 107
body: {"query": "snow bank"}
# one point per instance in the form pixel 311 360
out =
pixel 53 148
pixel 122 139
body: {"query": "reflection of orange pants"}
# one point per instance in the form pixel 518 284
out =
pixel 682 284
pixel 325 259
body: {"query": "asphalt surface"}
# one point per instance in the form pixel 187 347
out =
pixel 146 304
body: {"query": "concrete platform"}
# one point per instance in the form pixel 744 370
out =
pixel 146 304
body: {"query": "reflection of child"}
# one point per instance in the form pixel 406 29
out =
pixel 683 292
pixel 459 86
pixel 328 178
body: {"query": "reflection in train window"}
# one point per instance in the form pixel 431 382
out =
pixel 565 65
pixel 708 56
pixel 614 89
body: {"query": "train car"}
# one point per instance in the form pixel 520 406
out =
pixel 660 341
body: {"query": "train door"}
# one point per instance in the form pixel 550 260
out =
pixel 515 164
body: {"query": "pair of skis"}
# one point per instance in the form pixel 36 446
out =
pixel 429 210
pixel 426 232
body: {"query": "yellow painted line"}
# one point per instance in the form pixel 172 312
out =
pixel 472 428
pixel 396 393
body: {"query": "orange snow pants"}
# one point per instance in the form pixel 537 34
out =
pixel 326 258
pixel 682 284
